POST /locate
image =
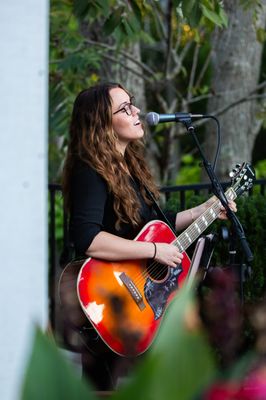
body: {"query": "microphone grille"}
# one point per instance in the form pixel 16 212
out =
pixel 152 118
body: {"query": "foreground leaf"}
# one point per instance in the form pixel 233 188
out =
pixel 50 377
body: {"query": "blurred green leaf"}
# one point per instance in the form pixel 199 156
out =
pixel 212 16
pixel 80 7
pixel 261 35
pixel 177 3
pixel 113 20
pixel 187 7
pixel 260 168
pixel 83 8
pixel 194 15
pixel 224 18
pixel 134 23
pixel 103 5
pixel 50 377
pixel 136 9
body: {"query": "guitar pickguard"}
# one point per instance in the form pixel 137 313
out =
pixel 157 293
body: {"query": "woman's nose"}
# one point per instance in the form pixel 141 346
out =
pixel 136 110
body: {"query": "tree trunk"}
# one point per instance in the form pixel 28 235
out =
pixel 236 61
pixel 130 75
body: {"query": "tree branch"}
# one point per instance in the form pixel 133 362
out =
pixel 203 70
pixel 169 37
pixel 117 61
pixel 249 97
pixel 193 72
pixel 123 53
pixel 179 60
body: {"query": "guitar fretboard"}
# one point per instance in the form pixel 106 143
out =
pixel 194 230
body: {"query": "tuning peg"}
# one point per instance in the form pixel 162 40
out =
pixel 233 172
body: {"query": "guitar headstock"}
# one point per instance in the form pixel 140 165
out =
pixel 242 177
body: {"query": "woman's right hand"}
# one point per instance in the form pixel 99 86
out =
pixel 168 254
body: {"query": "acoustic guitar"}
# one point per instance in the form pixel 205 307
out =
pixel 125 301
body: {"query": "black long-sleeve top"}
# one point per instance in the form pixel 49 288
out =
pixel 92 209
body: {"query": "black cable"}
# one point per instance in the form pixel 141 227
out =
pixel 218 132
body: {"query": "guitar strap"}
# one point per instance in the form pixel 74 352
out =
pixel 158 209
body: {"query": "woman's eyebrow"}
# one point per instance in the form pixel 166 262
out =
pixel 125 102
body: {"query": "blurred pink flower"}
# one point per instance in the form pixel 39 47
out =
pixel 253 387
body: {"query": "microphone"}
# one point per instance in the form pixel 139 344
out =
pixel 152 118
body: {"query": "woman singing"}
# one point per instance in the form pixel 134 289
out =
pixel 106 185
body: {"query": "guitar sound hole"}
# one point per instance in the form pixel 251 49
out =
pixel 157 271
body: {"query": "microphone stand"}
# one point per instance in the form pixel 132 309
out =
pixel 219 192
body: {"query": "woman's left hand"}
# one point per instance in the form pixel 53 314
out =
pixel 232 206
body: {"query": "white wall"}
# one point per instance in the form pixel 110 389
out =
pixel 23 183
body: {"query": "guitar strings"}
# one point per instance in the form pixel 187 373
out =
pixel 141 277
pixel 203 221
pixel 188 238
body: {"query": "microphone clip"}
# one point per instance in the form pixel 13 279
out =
pixel 186 120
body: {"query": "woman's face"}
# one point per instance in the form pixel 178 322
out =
pixel 127 127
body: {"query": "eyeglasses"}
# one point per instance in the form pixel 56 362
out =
pixel 127 107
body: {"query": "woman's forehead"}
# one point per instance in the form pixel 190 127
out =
pixel 119 96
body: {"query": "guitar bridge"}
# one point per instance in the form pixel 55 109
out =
pixel 133 290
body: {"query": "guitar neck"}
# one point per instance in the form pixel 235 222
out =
pixel 194 230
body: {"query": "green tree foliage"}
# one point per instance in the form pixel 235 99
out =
pixel 252 214
pixel 88 39
pixel 70 71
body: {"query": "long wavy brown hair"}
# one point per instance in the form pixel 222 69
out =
pixel 93 140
